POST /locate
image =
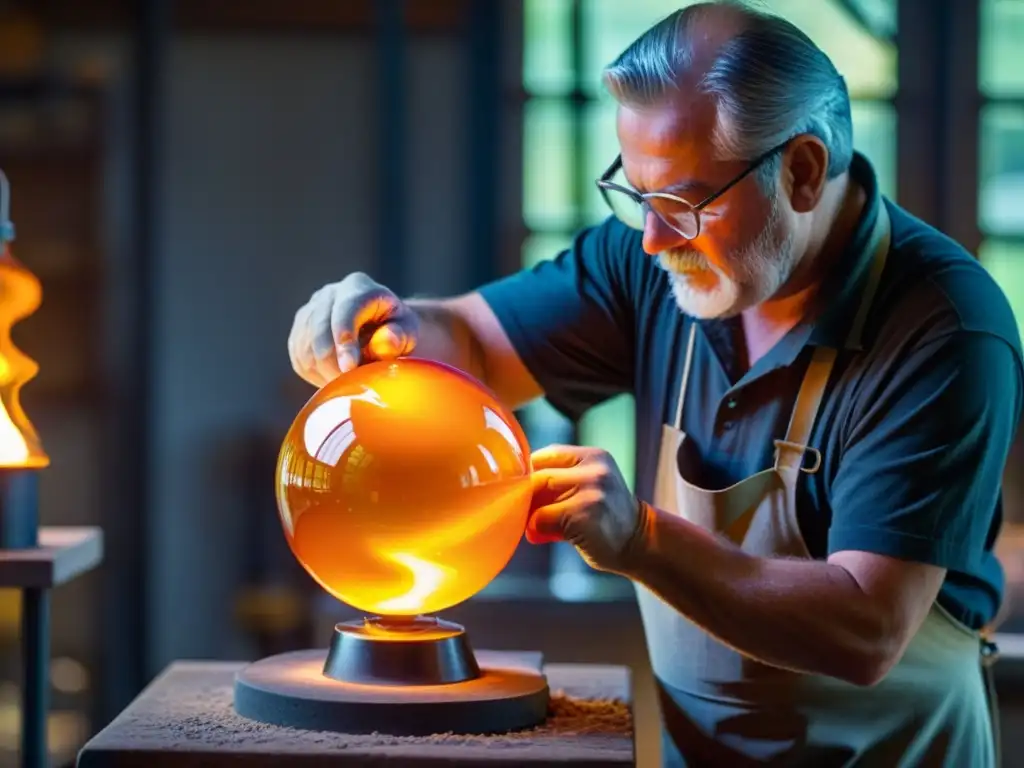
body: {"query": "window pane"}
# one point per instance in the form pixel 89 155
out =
pixel 1001 191
pixel 609 27
pixel 612 426
pixel 602 147
pixel 547 53
pixel 874 135
pixel 1004 259
pixel 867 63
pixel 1001 55
pixel 547 165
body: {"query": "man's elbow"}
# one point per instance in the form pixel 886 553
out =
pixel 868 662
pixel 891 601
pixel 868 671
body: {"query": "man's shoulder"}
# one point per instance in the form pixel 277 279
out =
pixel 933 285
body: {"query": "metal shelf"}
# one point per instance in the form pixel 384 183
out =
pixel 62 554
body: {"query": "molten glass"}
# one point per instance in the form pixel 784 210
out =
pixel 404 487
pixel 20 296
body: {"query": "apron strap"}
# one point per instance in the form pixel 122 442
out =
pixel 678 422
pixel 790 453
pixel 881 235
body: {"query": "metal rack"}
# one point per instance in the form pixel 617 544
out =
pixel 35 560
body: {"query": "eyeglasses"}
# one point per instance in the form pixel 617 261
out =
pixel 631 207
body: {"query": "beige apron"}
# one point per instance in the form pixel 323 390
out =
pixel 722 708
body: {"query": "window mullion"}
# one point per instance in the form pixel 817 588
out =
pixel 961 118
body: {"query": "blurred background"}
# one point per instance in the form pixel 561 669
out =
pixel 185 173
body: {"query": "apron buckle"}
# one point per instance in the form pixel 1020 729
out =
pixel 803 450
pixel 989 653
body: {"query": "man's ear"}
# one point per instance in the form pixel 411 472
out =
pixel 805 172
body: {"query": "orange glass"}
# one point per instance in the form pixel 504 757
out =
pixel 20 296
pixel 404 487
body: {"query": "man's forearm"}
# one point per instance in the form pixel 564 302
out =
pixel 446 337
pixel 803 615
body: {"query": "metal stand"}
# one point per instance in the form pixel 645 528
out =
pixel 510 693
pixel 19 530
pixel 400 651
pixel 34 560
pixel 19 508
pixel 35 647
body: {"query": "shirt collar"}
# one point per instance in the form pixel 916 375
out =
pixel 841 292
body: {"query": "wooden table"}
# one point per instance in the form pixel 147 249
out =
pixel 186 718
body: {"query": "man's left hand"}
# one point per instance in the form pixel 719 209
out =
pixel 580 496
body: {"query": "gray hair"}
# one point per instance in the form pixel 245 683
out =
pixel 770 82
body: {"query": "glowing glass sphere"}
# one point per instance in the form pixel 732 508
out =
pixel 404 487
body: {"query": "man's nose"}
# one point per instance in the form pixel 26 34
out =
pixel 659 236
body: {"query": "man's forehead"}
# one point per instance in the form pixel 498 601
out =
pixel 668 144
pixel 684 120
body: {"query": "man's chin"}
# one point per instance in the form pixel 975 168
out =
pixel 708 312
pixel 715 304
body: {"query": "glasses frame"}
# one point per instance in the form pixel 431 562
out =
pixel 605 184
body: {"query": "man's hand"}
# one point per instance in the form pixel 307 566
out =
pixel 349 323
pixel 580 496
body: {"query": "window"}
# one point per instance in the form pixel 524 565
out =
pixel 1001 175
pixel 569 138
pixel 1001 221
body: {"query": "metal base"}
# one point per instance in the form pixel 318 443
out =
pixel 19 508
pixel 400 651
pixel 506 691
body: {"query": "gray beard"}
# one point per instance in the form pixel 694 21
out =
pixel 761 268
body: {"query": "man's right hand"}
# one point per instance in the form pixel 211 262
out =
pixel 349 323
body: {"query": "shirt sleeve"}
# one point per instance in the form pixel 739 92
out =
pixel 921 473
pixel 571 319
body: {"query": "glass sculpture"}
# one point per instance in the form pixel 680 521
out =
pixel 404 487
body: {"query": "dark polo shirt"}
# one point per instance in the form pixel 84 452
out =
pixel 914 429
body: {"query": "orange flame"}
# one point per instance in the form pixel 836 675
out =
pixel 20 296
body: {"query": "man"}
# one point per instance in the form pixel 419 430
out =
pixel 826 393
